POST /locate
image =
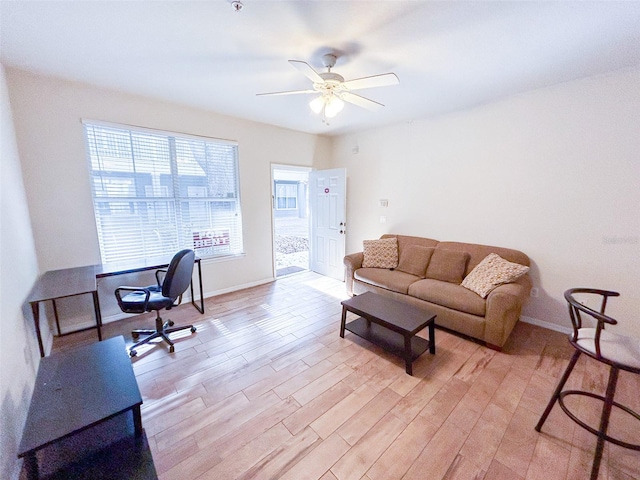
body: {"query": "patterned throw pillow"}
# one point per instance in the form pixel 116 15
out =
pixel 492 272
pixel 381 253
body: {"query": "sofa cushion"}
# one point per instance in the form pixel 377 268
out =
pixel 447 265
pixel 389 279
pixel 381 253
pixel 414 259
pixel 491 272
pixel 448 295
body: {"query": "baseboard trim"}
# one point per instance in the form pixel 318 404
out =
pixel 547 325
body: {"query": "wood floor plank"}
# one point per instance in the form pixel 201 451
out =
pixel 303 378
pixel 305 415
pixel 187 427
pixel 242 460
pixel 360 423
pixel 401 454
pixel 486 436
pixel 236 438
pixel 284 457
pixel 333 418
pixel 209 433
pixel 320 384
pixel 519 441
pixel 463 469
pixel 318 462
pixel 368 449
pixel 438 455
pixel 549 462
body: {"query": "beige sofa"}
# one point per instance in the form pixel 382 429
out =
pixel 436 285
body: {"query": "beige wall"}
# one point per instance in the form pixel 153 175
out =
pixel 48 114
pixel 554 173
pixel 18 270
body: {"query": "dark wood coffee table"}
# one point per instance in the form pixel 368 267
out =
pixel 390 324
pixel 78 390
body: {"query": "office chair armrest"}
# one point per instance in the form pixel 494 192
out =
pixel 146 291
pixel 158 272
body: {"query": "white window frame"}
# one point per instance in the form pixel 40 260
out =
pixel 286 197
pixel 216 229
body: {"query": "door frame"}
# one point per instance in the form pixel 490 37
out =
pixel 292 168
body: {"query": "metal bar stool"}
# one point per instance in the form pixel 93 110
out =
pixel 619 352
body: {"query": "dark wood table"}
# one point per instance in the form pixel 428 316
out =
pixel 77 390
pixel 67 282
pixel 390 324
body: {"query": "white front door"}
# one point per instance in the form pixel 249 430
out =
pixel 327 192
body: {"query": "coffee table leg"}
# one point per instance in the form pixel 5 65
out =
pixel 407 355
pixel 343 321
pixel 432 338
pixel 137 420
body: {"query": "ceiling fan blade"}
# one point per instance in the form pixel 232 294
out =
pixel 290 92
pixel 307 70
pixel 383 80
pixel 361 101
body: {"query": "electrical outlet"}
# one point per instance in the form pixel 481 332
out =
pixel 534 292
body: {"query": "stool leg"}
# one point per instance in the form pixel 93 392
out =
pixel 604 421
pixel 556 393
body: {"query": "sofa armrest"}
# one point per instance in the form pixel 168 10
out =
pixel 352 262
pixel 504 305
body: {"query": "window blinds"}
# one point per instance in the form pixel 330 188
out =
pixel 155 193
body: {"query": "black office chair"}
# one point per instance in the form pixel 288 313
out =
pixel 157 297
pixel 619 352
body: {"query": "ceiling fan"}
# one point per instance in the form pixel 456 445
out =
pixel 333 90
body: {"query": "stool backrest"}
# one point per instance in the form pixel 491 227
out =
pixel 576 308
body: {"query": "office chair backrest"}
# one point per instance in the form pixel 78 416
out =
pixel 178 275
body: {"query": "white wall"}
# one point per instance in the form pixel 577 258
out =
pixel 554 173
pixel 19 353
pixel 48 115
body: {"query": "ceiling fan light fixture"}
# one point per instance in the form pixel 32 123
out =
pixel 317 104
pixel 333 106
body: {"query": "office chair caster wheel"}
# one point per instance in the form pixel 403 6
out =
pixel 170 322
pixel 193 329
pixel 135 335
pixel 132 353
pixel 171 349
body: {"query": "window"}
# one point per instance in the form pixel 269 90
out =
pixel 286 195
pixel 155 193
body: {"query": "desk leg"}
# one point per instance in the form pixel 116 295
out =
pixel 35 309
pixel 55 315
pixel 96 308
pixel 200 307
pixel 137 420
pixel 31 466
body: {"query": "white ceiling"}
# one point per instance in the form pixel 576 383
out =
pixel 449 55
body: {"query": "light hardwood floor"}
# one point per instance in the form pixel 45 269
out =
pixel 267 389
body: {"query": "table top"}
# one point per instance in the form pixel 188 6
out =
pixel 77 389
pixel 66 282
pixel 393 314
pixel 130 266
